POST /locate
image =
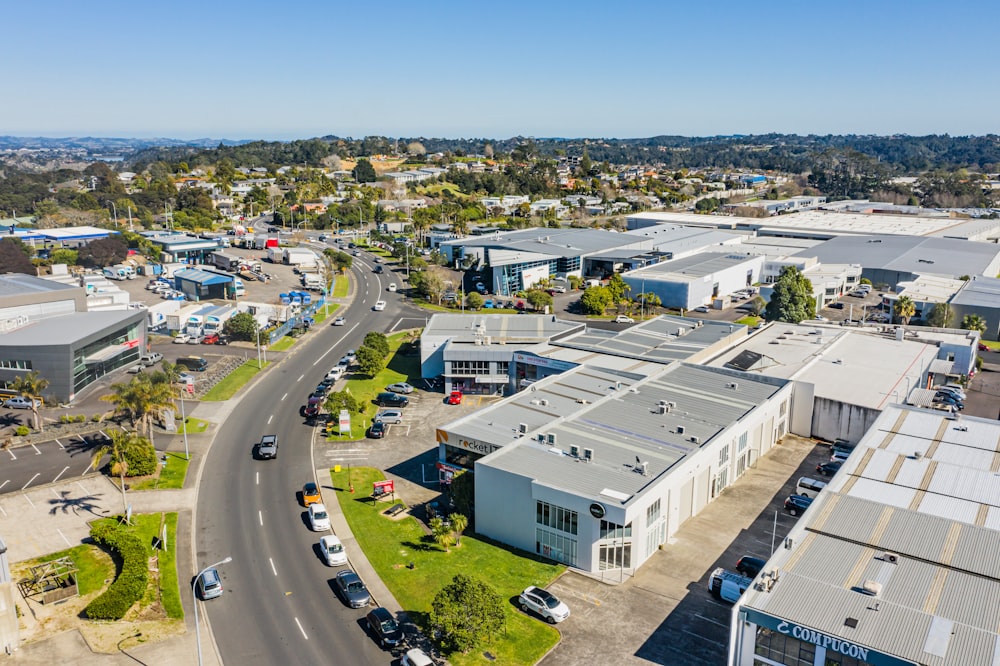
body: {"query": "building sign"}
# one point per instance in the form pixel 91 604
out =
pixel 597 510
pixel 345 421
pixel 131 344
pixel 835 643
pixel 483 448
pixel 543 362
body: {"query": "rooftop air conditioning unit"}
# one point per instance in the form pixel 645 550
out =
pixel 695 439
pixel 522 427
pixel 541 437
pixel 891 558
pixel 872 588
pixel 552 438
pixel 663 409
pixel 588 454
pixel 574 451
pixel 672 405
pixel 543 402
pixel 680 430
pixel 732 385
pixel 643 468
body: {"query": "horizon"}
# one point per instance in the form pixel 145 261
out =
pixel 540 69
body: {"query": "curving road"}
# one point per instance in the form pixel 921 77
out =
pixel 279 606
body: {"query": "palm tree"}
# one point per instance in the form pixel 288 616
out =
pixel 142 398
pixel 30 386
pixel 442 533
pixel 458 525
pixel 120 448
pixel 905 309
pixel 973 322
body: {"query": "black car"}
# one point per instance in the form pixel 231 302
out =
pixel 388 399
pixel 750 566
pixel 351 589
pixel 836 306
pixel 223 340
pixel 377 431
pixel 385 628
pixel 796 504
pixel 828 468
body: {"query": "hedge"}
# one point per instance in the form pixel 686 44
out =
pixel 130 584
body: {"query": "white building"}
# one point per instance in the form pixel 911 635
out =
pixel 696 280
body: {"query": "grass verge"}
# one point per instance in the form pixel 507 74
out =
pixel 284 344
pixel 193 426
pixel 392 545
pixel 321 314
pixel 748 321
pixel 341 285
pixel 94 566
pixel 171 475
pixel 233 382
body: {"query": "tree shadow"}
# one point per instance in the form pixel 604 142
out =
pixel 68 504
pixel 426 544
pixel 10 420
pixel 85 444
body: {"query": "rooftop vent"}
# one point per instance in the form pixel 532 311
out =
pixel 680 430
pixel 588 454
pixel 522 427
pixel 852 622
pixel 662 408
pixel 872 588
pixel 552 438
pixel 543 402
pixel 695 439
pixel 732 385
pixel 541 437
pixel 574 451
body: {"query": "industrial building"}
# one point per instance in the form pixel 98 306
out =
pixel 894 563
pixel 177 247
pixel 979 296
pixel 597 468
pixel 47 329
pixel 202 285
pixel 698 279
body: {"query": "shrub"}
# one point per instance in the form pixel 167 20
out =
pixel 97 418
pixel 130 584
pixel 65 418
pixel 80 418
pixel 22 430
pixel 141 460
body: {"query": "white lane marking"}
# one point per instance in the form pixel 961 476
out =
pixel 349 331
pixel 60 444
pixel 257 478
pixel 12 456
pixel 60 473
pixel 269 419
pixel 4 512
pixel 88 469
pixel 260 517
pixel 284 396
pixel 4 484
pixel 364 300
pixel 30 480
pixel 300 378
pixel 68 542
pixel 301 629
pixel 29 501
pixel 37 452
pixel 272 566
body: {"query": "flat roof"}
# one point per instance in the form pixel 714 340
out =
pixel 75 233
pixel 911 254
pixel 498 328
pixel 65 330
pixel 980 292
pixel 915 509
pixel 17 284
pixel 930 288
pixel 566 242
pixel 687 269
pixel 855 366
pixel 203 277
pixel 615 415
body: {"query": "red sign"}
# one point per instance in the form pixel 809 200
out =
pixel 131 344
pixel 190 388
pixel 387 486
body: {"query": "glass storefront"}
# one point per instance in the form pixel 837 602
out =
pixel 113 351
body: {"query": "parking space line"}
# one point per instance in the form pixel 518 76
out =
pixel 269 419
pixel 4 484
pixel 29 501
pixel 60 444
pixel 301 629
pixel 68 542
pixel 60 473
pixel 272 566
pixel 37 452
pixel 284 396
pixel 12 456
pixel 30 480
pixel 257 478
pixel 81 485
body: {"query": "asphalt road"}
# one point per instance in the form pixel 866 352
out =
pixel 279 606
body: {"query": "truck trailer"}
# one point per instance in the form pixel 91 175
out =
pixel 227 262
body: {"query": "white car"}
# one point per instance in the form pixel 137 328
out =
pixel 195 339
pixel 379 305
pixel 416 657
pixel 319 519
pixel 392 286
pixel 336 372
pixel 622 319
pixel 558 289
pixel 701 308
pixel 182 338
pixel 185 378
pixel 339 321
pixel 333 551
pixel 544 603
pixel 399 387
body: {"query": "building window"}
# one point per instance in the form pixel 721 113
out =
pixel 470 367
pixel 790 651
pixel 460 457
pixel 611 530
pixel 652 513
pixel 783 408
pixel 556 517
pixel 724 456
pixel 555 546
pixel 742 443
pixel 615 556
pixel 502 367
pixel 11 364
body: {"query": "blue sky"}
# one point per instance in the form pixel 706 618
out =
pixel 297 69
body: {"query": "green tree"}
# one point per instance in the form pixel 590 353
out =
pixel 463 490
pixel 122 447
pixel 241 326
pixel 371 361
pixel 430 284
pixel 459 523
pixel 905 309
pixel 377 341
pixel 343 400
pixel 940 315
pixel 466 612
pixel 973 322
pixel 15 257
pixel 64 255
pixel 442 533
pixel 618 288
pixel 792 298
pixel 341 260
pixel 650 301
pixel 595 300
pixel 364 172
pixel 538 299
pixel 474 300
pixel 31 386
pixel 865 281
pixel 103 252
pixel 142 398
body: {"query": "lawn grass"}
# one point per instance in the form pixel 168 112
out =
pixel 748 321
pixel 94 566
pixel 421 303
pixel 321 314
pixel 284 344
pixel 341 285
pixel 233 382
pixel 392 545
pixel 171 475
pixel 399 369
pixel 992 344
pixel 170 593
pixel 192 426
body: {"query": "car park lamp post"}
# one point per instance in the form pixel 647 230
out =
pixel 194 595
pixel 114 209
pixel 187 455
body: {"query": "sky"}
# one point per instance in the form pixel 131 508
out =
pixel 291 69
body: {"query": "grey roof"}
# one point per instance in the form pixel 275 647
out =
pixel 914 254
pixel 981 292
pixel 498 327
pixel 16 284
pixel 68 329
pixel 203 277
pixel 559 242
pixel 616 416
pixel 693 267
pixel 920 486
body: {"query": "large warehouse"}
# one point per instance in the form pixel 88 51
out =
pixel 597 469
pixel 894 563
pixel 696 280
pixel 47 329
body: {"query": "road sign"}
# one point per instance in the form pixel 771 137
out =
pixel 345 421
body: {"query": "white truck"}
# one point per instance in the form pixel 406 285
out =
pixel 275 255
pixel 217 318
pixel 177 320
pixel 312 281
pixel 157 314
pixel 299 256
pixel 117 272
pixel 227 262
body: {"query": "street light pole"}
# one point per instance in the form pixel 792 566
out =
pixel 115 210
pixel 187 455
pixel 259 365
pixel 194 595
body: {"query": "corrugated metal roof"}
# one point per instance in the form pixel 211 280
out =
pixel 982 292
pixel 68 329
pixel 202 277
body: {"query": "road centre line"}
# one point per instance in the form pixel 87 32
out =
pixel 60 473
pixel 269 419
pixel 260 517
pixel 257 478
pixel 349 331
pixel 29 482
pixel 301 629
pixel 284 396
pixel 301 377
pixel 272 566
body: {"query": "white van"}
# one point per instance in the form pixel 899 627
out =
pixel 809 487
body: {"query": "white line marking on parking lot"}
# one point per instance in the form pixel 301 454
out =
pixel 4 484
pixel 407 431
pixel 12 456
pixel 81 486
pixel 104 434
pixel 284 396
pixel 300 378
pixel 30 480
pixel 715 622
pixel 88 469
pixel 4 512
pixel 269 419
pixel 29 501
pixel 260 517
pixel 272 566
pixel 68 542
pixel 60 473
pixel 60 444
pixel 301 629
pixel 37 452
